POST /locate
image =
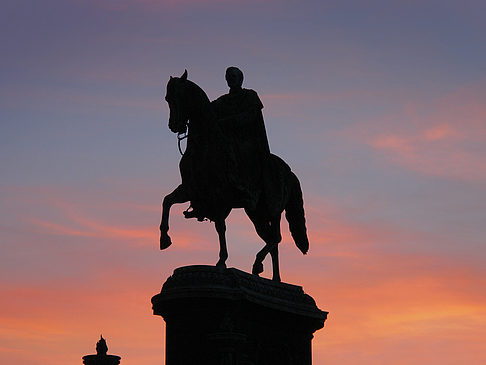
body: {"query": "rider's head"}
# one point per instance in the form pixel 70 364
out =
pixel 234 77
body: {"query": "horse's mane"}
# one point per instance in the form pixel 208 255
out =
pixel 198 91
pixel 199 97
pixel 194 94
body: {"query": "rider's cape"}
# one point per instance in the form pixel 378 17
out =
pixel 240 119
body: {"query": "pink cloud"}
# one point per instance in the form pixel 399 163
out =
pixel 79 225
pixel 445 138
pixel 440 132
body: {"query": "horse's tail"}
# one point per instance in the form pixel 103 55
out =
pixel 294 212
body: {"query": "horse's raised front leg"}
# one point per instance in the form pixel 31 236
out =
pixel 176 197
pixel 223 251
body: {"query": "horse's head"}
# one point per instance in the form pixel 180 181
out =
pixel 177 99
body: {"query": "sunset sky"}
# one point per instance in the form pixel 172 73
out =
pixel 378 107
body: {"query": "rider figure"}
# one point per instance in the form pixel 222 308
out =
pixel 244 142
pixel 240 117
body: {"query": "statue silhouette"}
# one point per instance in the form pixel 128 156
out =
pixel 101 357
pixel 227 164
pixel 101 347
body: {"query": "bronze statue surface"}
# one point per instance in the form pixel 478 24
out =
pixel 227 164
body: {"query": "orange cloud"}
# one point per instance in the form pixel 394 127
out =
pixel 398 299
pixel 380 300
pixel 65 321
pixel 53 211
pixel 90 228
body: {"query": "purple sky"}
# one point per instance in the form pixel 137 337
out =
pixel 378 107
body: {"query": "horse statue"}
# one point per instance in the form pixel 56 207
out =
pixel 205 181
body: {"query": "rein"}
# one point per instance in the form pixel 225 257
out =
pixel 181 136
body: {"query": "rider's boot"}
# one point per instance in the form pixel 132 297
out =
pixel 193 213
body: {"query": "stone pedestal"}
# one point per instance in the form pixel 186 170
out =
pixel 228 317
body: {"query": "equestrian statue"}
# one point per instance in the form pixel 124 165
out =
pixel 227 164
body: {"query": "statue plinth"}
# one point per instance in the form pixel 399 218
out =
pixel 226 316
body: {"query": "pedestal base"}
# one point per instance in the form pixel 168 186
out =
pixel 228 317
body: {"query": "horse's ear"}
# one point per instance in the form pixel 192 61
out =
pixel 184 75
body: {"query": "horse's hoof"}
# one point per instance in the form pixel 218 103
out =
pixel 165 241
pixel 257 268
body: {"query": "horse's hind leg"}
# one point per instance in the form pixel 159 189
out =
pixel 223 250
pixel 275 264
pixel 270 233
pixel 276 239
pixel 176 197
pixel 263 230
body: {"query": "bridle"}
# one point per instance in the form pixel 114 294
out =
pixel 181 136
